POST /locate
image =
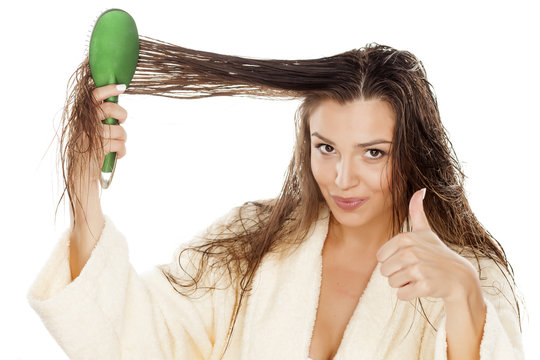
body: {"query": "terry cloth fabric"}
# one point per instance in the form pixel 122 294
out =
pixel 111 312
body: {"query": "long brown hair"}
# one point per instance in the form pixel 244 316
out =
pixel 422 154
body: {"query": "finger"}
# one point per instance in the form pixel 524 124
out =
pixel 400 260
pixel 409 291
pixel 110 109
pixel 103 92
pixel 413 290
pixel 114 132
pixel 419 221
pixel 401 240
pixel 401 278
pixel 114 146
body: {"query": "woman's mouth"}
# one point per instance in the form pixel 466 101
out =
pixel 349 203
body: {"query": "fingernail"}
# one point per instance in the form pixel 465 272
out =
pixel 121 87
pixel 424 193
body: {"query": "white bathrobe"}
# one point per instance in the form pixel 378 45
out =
pixel 111 312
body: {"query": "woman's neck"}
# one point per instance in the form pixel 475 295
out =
pixel 366 238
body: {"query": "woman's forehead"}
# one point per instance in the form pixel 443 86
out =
pixel 371 118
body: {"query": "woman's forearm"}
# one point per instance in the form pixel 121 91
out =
pixel 465 326
pixel 88 226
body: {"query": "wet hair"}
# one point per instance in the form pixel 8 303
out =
pixel 421 155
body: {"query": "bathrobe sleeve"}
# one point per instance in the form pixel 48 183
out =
pixel 501 339
pixel 110 312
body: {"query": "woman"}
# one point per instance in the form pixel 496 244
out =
pixel 370 251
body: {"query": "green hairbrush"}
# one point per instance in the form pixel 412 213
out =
pixel 113 55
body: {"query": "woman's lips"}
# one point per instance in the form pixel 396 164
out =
pixel 349 203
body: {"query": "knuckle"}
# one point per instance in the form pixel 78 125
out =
pixel 105 148
pixel 106 106
pixel 100 93
pixel 410 254
pixel 107 131
pixel 102 111
pixel 417 271
pixel 384 270
pixel 95 94
pixel 406 239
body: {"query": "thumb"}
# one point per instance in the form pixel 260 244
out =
pixel 418 217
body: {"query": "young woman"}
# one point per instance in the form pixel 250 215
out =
pixel 370 251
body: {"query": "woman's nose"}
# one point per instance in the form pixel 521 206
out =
pixel 346 174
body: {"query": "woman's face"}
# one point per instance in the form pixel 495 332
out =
pixel 350 146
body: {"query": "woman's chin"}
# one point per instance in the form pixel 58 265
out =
pixel 348 218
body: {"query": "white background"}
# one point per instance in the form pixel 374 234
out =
pixel 190 161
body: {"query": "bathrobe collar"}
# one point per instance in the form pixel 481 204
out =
pixel 281 310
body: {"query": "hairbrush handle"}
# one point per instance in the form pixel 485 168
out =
pixel 109 164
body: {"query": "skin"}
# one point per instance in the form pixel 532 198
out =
pixel 346 171
pixel 88 229
pixel 417 263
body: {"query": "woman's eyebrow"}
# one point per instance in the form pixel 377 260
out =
pixel 362 145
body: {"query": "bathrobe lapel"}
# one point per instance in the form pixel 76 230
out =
pixel 281 311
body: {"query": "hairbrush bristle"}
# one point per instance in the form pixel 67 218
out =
pixel 90 30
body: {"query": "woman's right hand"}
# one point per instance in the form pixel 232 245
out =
pixel 114 136
pixel 87 177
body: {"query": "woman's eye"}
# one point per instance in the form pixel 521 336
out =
pixel 375 151
pixel 374 154
pixel 326 146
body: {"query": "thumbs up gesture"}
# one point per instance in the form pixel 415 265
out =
pixel 420 264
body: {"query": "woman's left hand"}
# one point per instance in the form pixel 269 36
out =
pixel 420 264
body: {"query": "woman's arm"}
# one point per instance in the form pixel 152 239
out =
pixel 111 312
pixel 86 230
pixel 465 320
pixel 86 216
pixel 500 335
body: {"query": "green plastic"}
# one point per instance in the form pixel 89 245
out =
pixel 113 55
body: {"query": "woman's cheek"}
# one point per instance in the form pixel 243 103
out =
pixel 383 177
pixel 323 169
pixel 314 168
pixel 386 186
pixel 373 178
pixel 319 173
